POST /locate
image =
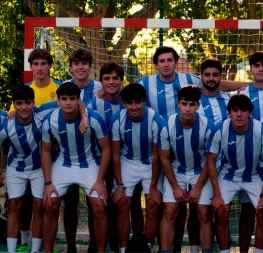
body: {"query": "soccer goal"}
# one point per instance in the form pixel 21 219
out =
pixel 131 43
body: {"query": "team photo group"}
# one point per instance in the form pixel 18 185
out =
pixel 189 143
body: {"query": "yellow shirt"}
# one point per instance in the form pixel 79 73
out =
pixel 42 95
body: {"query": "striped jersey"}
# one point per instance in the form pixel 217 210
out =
pixel 162 96
pixel 24 151
pixel 256 96
pixel 105 108
pixel 137 138
pixel 74 149
pixel 90 91
pixel 243 159
pixel 187 144
pixel 214 107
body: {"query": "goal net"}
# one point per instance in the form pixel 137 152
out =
pixel 132 42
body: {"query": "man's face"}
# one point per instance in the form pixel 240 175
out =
pixel 111 83
pixel 135 109
pixel 24 109
pixel 69 104
pixel 166 65
pixel 239 117
pixel 80 70
pixel 211 78
pixel 187 109
pixel 257 71
pixel 40 69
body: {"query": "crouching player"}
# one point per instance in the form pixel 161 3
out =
pixel 80 159
pixel 240 138
pixel 185 134
pixel 134 132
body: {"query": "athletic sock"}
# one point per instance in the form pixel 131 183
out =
pixel 25 236
pixel 72 247
pixel 11 245
pixel 258 250
pixel 123 250
pixel 194 248
pixel 205 250
pixel 225 251
pixel 36 244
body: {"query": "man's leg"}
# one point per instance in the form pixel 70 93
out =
pixel 100 227
pixel 13 216
pixel 222 228
pixel 50 223
pixel 259 231
pixel 37 224
pixel 193 227
pixel 171 211
pixel 246 225
pixel 152 221
pixel 206 226
pixel 71 200
pixel 137 219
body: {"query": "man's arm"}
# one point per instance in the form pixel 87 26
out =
pixel 178 192
pixel 99 185
pixel 228 86
pixel 154 193
pixel 46 167
pixel 83 126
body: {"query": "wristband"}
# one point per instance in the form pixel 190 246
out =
pixel 121 187
pixel 47 183
pixel 83 115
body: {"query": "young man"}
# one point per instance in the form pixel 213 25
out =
pixel 240 138
pixel 185 134
pixel 134 133
pixel 78 161
pixel 24 135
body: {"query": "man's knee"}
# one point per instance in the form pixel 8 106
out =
pixel 152 208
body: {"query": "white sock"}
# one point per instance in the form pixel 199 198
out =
pixel 194 248
pixel 225 251
pixel 123 250
pixel 25 236
pixel 258 250
pixel 36 244
pixel 11 245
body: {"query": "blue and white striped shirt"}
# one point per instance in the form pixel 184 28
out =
pixel 187 144
pixel 243 159
pixel 74 149
pixel 24 151
pixel 137 138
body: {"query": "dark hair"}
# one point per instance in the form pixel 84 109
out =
pixel 108 68
pixel 23 92
pixel 211 63
pixel 40 54
pixel 240 101
pixel 189 93
pixel 133 91
pixel 256 57
pixel 163 50
pixel 80 55
pixel 68 89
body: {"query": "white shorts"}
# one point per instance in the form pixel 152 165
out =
pixel 133 172
pixel 62 177
pixel 186 182
pixel 228 189
pixel 16 182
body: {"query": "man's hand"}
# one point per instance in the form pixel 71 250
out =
pixel 194 195
pixel 155 195
pixel 217 202
pixel 2 178
pixel 102 94
pixel 179 194
pixel 83 126
pixel 11 115
pixel 48 189
pixel 260 205
pixel 101 190
pixel 118 195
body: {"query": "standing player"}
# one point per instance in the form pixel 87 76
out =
pixel 24 135
pixel 185 134
pixel 240 138
pixel 134 133
pixel 78 161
